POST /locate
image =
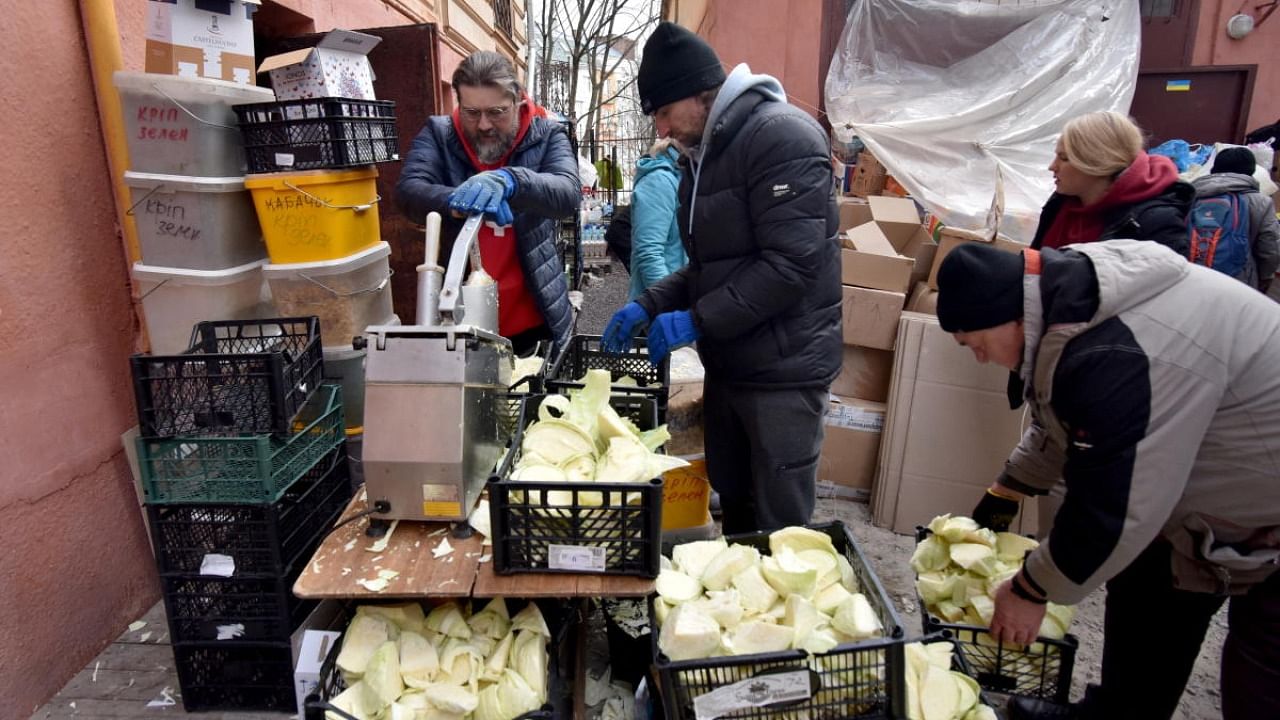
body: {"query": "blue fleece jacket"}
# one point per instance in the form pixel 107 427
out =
pixel 656 251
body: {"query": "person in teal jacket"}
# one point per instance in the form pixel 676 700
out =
pixel 656 250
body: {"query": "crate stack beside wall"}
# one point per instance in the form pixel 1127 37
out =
pixel 242 458
pixel 202 252
pixel 312 154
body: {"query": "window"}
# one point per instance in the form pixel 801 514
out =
pixel 1152 9
pixel 502 16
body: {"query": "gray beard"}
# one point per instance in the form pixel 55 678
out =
pixel 491 150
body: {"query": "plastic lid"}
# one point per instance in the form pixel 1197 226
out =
pixel 276 181
pixel 339 266
pixel 182 183
pixel 191 89
pixel 183 276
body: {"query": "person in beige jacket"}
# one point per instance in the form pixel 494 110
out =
pixel 1154 389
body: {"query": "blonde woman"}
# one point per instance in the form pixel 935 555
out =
pixel 656 249
pixel 1108 187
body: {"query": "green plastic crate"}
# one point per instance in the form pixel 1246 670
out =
pixel 245 469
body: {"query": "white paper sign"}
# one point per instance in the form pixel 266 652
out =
pixel 573 557
pixel 753 693
pixel 220 565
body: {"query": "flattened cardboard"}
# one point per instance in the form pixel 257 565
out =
pixel 188 39
pixel 869 260
pixel 851 442
pixel 948 430
pixel 853 212
pixel 950 238
pixel 870 317
pixel 897 217
pixel 864 374
pixel 336 67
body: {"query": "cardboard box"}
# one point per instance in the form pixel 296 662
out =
pixel 864 374
pixel 867 259
pixel 870 317
pixel 315 647
pixel 923 299
pixel 851 442
pixel 868 176
pixel 336 67
pixel 853 212
pixel 193 38
pixel 952 237
pixel 921 248
pixel 897 217
pixel 947 433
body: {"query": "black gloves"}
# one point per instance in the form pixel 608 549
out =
pixel 995 511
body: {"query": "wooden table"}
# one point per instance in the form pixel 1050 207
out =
pixel 345 557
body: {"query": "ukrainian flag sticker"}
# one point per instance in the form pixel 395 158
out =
pixel 1177 86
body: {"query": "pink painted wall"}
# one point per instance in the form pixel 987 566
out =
pixel 1261 47
pixel 777 37
pixel 354 14
pixel 75 566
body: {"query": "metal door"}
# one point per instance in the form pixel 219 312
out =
pixel 1199 105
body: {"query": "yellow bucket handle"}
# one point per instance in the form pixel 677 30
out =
pixel 184 109
pixel 357 208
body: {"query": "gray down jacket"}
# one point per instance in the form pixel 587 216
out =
pixel 758 221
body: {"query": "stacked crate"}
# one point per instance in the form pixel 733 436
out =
pixel 314 186
pixel 243 463
pixel 201 249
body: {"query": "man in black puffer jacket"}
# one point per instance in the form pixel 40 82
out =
pixel 761 292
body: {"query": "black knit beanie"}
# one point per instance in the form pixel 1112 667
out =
pixel 1235 160
pixel 979 287
pixel 676 64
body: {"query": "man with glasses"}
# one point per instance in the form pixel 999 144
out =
pixel 499 155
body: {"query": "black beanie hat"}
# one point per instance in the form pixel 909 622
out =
pixel 676 64
pixel 1235 160
pixel 979 287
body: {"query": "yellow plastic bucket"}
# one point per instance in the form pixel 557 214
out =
pixel 316 215
pixel 686 496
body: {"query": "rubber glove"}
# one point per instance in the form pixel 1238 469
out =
pixel 995 511
pixel 622 327
pixel 486 192
pixel 670 331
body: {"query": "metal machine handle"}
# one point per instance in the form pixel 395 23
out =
pixel 450 292
pixel 429 274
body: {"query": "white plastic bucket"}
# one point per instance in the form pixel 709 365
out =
pixel 195 223
pixel 184 126
pixel 175 299
pixel 347 366
pixel 347 294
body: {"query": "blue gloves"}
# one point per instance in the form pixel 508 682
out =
pixel 622 327
pixel 486 192
pixel 670 331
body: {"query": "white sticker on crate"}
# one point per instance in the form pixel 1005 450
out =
pixel 573 557
pixel 219 565
pixel 753 692
pixel 284 159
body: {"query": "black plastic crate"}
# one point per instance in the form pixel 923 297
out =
pixel 584 353
pixel 236 676
pixel 854 680
pixel 201 607
pixel 605 528
pixel 238 376
pixel 262 539
pixel 562 619
pixel 318 133
pixel 959 663
pixel 1041 672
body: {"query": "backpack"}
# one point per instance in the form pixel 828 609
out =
pixel 617 236
pixel 1219 228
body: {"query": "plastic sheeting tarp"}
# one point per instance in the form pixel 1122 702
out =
pixel 949 94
